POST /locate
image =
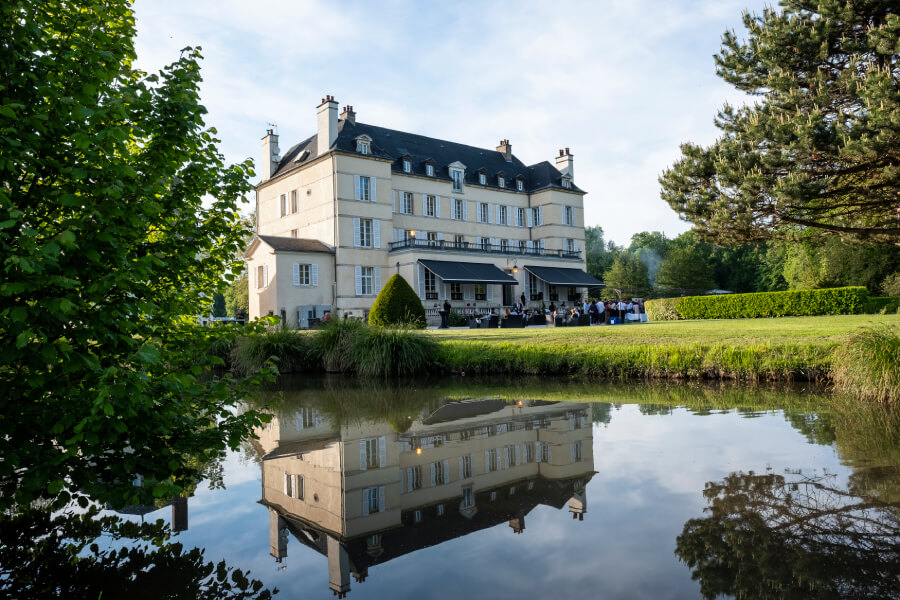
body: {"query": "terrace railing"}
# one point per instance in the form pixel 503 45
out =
pixel 506 250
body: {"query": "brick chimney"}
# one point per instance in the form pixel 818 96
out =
pixel 564 163
pixel 348 115
pixel 328 124
pixel 271 155
pixel 506 148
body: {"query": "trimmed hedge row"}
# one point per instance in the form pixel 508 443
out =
pixel 801 303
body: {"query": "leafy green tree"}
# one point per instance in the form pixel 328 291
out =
pixel 237 296
pixel 106 244
pixel 651 247
pixel 629 274
pixel 891 285
pixel 599 254
pixel 817 155
pixel 397 304
pixel 686 268
pixel 218 309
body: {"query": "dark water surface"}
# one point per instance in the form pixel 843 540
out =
pixel 560 490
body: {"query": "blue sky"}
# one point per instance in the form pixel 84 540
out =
pixel 621 83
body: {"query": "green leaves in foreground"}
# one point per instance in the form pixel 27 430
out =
pixel 118 217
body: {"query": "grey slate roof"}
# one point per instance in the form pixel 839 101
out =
pixel 393 145
pixel 286 244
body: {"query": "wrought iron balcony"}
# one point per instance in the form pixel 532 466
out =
pixel 451 246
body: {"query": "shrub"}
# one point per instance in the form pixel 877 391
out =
pixel 333 343
pixel 291 350
pixel 397 304
pixel 869 365
pixel 883 305
pixel 891 285
pixel 830 301
pixel 457 319
pixel 383 351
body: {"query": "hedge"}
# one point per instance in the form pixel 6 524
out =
pixel 801 303
pixel 887 304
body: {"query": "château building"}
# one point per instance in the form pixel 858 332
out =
pixel 345 209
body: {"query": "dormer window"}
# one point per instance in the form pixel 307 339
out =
pixel 520 185
pixel 567 182
pixel 457 175
pixel 429 170
pixel 482 178
pixel 501 181
pixel 407 166
pixel 363 144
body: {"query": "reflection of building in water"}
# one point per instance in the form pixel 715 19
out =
pixel 363 494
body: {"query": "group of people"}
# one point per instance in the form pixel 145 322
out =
pixel 599 311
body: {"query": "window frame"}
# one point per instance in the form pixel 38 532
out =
pixel 407 203
pixel 362 147
pixel 457 213
pixel 520 185
pixel 430 205
pixel 366 235
pixel 457 176
pixel 482 179
pixel 367 274
pixel 456 292
pixel 365 188
pixel 407 166
pixel 429 170
pixel 484 212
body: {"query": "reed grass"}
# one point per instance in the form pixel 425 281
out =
pixel 868 366
pixel 290 350
pixel 333 344
pixel 392 351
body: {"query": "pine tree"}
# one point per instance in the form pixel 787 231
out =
pixel 819 154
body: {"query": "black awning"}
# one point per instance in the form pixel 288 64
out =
pixel 458 272
pixel 568 277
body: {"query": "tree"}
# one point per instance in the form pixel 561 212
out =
pixel 599 255
pixel 819 153
pixel 397 304
pixel 770 536
pixel 686 268
pixel 237 296
pixel 628 273
pixel 108 249
pixel 218 309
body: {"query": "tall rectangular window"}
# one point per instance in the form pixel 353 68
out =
pixel 365 233
pixel 367 278
pixel 413 478
pixel 520 217
pixel 504 245
pixel 465 464
pixel 480 291
pixel 284 205
pixel 456 291
pixel 568 215
pixel 457 212
pixel 468 497
pixel 430 285
pixel 490 461
pixel 520 185
pixel 260 277
pixel 372 499
pixel 484 243
pixel 534 286
pixel 460 241
pixel 440 472
pixel 546 454
pixel 294 201
pixel 365 189
pixel 430 206
pixel 432 238
pixel 303 275
pixel 536 216
pixel 577 451
pixel 429 170
pixel 484 210
pixel 528 455
pixel 504 217
pixel 457 176
pixel 406 203
pixel 570 245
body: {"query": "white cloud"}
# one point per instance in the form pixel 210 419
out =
pixel 622 83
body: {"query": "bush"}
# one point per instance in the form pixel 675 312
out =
pixel 397 304
pixel 382 351
pixel 891 285
pixel 457 319
pixel 883 305
pixel 291 350
pixel 333 343
pixel 869 365
pixel 831 301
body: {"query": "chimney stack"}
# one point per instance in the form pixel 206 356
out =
pixel 328 125
pixel 271 155
pixel 506 148
pixel 348 115
pixel 564 163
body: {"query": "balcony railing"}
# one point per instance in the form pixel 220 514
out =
pixel 450 246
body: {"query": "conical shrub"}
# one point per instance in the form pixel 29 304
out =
pixel 397 304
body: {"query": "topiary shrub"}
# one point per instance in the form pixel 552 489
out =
pixel 397 304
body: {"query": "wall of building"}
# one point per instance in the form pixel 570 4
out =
pixel 314 219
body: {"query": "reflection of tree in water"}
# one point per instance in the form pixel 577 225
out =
pixel 793 536
pixel 655 409
pixel 601 412
pixel 64 556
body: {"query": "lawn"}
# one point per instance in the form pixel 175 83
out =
pixel 818 331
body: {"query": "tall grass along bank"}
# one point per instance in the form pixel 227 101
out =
pixel 868 366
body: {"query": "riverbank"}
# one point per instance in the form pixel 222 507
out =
pixel 783 349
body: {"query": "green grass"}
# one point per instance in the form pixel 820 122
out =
pixel 790 348
pixel 868 365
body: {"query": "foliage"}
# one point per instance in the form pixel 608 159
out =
pixel 60 556
pixel 882 305
pixel 397 304
pixel 599 255
pixel 218 309
pixel 891 284
pixel 117 215
pixel 629 274
pixel 817 154
pixel 833 301
pixel 333 343
pixel 868 366
pixel 383 351
pixel 686 268
pixel 833 263
pixel 662 309
pixel 791 536
pixel 457 319
pixel 290 350
pixel 237 297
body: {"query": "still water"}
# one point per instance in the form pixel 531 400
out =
pixel 560 490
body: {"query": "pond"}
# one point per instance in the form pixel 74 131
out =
pixel 556 490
